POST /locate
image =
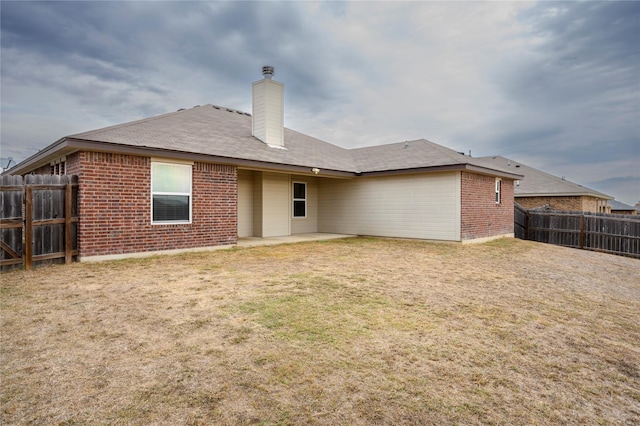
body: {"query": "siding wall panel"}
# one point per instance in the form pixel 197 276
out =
pixel 310 223
pixel 410 206
pixel 245 203
pixel 275 205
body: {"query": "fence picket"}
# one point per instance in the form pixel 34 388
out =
pixel 49 223
pixel 617 234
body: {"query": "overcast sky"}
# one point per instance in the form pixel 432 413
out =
pixel 555 85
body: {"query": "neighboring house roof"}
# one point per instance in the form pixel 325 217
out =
pixel 224 135
pixel 617 205
pixel 537 183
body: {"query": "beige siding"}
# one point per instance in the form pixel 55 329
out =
pixel 245 203
pixel 411 206
pixel 257 204
pixel 258 118
pixel 275 205
pixel 268 111
pixel 310 223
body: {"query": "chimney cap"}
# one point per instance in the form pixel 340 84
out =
pixel 268 71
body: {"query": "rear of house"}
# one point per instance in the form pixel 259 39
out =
pixel 206 176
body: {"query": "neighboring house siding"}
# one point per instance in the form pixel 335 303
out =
pixel 310 223
pixel 569 203
pixel 44 170
pixel 481 216
pixel 115 207
pixel 409 206
pixel 627 212
pixel 71 164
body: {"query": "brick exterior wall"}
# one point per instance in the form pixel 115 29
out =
pixel 481 217
pixel 115 206
pixel 571 203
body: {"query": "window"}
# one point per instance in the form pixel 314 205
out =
pixel 170 193
pixel 498 188
pixel 59 167
pixel 299 199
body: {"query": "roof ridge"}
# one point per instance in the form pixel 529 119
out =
pixel 453 154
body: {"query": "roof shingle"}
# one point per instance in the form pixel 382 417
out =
pixel 223 132
pixel 538 183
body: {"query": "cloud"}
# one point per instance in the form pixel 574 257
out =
pixel 552 84
pixel 574 76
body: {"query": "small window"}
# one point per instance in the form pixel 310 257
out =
pixel 170 193
pixel 299 199
pixel 498 190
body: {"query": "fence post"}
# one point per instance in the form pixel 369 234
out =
pixel 526 225
pixel 67 222
pixel 28 228
pixel 581 232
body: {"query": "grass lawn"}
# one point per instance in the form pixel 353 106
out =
pixel 354 331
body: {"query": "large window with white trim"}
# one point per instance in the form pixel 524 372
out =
pixel 299 199
pixel 170 193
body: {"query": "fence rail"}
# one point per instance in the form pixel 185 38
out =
pixel 617 234
pixel 39 218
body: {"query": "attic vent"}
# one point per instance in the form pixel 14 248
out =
pixel 239 112
pixel 181 109
pixel 247 114
pixel 229 109
pixel 196 106
pixel 216 106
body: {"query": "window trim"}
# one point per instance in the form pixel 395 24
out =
pixel 294 199
pixel 498 189
pixel 189 194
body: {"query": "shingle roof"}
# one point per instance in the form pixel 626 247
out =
pixel 538 183
pixel 617 205
pixel 221 132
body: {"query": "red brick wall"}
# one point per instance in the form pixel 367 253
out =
pixel 481 216
pixel 571 203
pixel 115 207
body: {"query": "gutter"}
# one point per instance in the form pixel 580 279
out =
pixel 67 145
pixel 445 168
pixel 40 158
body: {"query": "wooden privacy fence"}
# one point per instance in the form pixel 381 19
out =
pixel 617 234
pixel 39 220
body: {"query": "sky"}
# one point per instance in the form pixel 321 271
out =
pixel 554 85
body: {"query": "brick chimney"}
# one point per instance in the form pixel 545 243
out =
pixel 268 110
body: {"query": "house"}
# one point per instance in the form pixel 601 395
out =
pixel 618 207
pixel 540 189
pixel 208 175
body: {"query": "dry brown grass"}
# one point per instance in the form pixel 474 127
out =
pixel 355 331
